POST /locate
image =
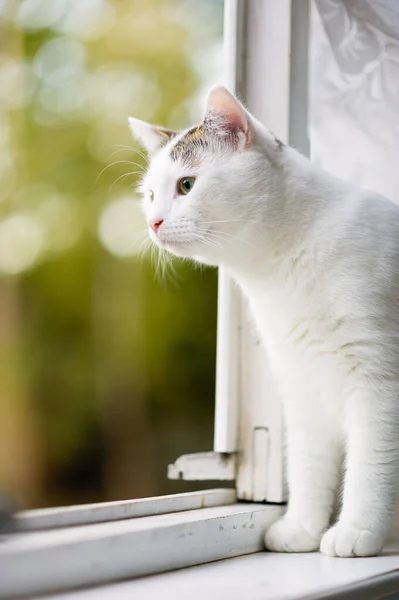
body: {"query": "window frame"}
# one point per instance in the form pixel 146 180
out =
pixel 104 512
pixel 280 100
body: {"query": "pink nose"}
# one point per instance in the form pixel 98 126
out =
pixel 155 225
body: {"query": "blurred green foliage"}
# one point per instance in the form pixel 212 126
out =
pixel 106 372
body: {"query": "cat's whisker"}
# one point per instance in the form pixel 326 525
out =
pixel 132 149
pixel 227 221
pixel 127 149
pixel 226 236
pixel 115 152
pixel 142 240
pixel 168 269
pixel 138 165
pixel 118 162
pixel 145 246
pixel 123 177
pixel 205 240
pixel 172 273
pixel 160 266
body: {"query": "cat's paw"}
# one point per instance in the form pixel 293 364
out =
pixel 347 540
pixel 286 535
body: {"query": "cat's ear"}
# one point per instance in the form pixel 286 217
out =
pixel 151 137
pixel 225 114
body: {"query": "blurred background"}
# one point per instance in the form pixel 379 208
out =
pixel 107 371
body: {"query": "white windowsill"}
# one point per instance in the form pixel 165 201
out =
pixel 99 551
pixel 262 576
pixel 35 562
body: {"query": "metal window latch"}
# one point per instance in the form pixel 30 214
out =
pixel 203 466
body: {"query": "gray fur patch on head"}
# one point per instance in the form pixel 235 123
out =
pixel 211 136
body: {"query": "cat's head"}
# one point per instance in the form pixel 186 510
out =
pixel 202 187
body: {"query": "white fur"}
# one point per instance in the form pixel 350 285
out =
pixel 318 260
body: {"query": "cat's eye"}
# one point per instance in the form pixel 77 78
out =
pixel 185 185
pixel 151 195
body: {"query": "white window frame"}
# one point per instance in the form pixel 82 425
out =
pixel 101 543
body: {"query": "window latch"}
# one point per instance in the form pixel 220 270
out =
pixel 203 466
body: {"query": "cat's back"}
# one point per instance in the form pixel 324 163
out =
pixel 363 264
pixel 340 290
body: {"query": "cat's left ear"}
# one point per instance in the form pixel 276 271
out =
pixel 226 115
pixel 151 137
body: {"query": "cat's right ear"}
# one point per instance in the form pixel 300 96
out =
pixel 151 137
pixel 226 115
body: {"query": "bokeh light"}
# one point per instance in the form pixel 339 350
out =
pixel 21 242
pixel 121 226
pixel 105 375
pixel 34 15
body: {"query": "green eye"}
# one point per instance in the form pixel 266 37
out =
pixel 151 195
pixel 185 185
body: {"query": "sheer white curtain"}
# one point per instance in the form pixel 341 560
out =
pixel 354 95
pixel 354 91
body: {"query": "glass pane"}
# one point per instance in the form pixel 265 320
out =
pixel 107 367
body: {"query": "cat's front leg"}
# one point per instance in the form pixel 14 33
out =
pixel 371 477
pixel 313 466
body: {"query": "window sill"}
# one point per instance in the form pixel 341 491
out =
pixel 37 562
pixel 264 576
pixel 99 551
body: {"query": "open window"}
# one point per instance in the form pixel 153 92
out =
pixel 266 63
pixel 248 428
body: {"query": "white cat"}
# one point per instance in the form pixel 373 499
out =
pixel 318 260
